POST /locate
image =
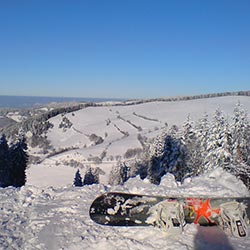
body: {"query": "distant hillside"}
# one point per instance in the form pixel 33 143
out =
pixel 4 121
pixel 36 121
pixel 194 97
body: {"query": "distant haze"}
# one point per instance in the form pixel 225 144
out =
pixel 36 101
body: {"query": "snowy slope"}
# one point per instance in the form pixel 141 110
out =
pixel 119 126
pixel 58 218
pixel 147 116
pixel 42 217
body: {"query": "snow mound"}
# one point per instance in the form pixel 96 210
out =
pixel 217 183
pixel 58 218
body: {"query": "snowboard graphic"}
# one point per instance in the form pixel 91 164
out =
pixel 171 213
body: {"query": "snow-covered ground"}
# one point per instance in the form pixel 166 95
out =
pixel 110 123
pixel 49 214
pixel 58 218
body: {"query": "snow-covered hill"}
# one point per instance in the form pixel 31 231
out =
pixel 58 218
pixel 49 214
pixel 100 136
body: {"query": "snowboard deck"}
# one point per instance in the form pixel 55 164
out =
pixel 125 209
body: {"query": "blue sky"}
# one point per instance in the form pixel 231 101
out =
pixel 124 48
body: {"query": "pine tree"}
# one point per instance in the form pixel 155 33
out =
pixel 154 170
pixel 96 172
pixel 219 144
pixel 189 149
pixel 240 130
pixel 78 179
pixel 226 152
pixel 239 135
pixel 139 168
pixel 156 149
pixel 4 163
pixel 202 135
pixel 18 163
pixel 172 159
pixel 90 177
pixel 171 150
pixel 119 174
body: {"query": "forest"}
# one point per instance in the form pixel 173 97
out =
pixel 191 150
pixel 13 162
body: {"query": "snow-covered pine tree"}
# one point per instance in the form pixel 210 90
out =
pixel 156 149
pixel 171 160
pixel 219 144
pixel 139 167
pixel 155 169
pixel 226 153
pixel 154 172
pixel 189 148
pixel 90 177
pixel 239 134
pixel 240 130
pixel 96 172
pixel 78 179
pixel 18 163
pixel 119 174
pixel 202 135
pixel 4 163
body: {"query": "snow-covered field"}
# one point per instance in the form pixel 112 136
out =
pixel 49 214
pixel 110 123
pixel 58 218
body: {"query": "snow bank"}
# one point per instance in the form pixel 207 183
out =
pixel 58 218
pixel 218 182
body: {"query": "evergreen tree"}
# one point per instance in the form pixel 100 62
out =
pixel 240 130
pixel 173 156
pixel 96 172
pixel 78 179
pixel 156 149
pixel 18 163
pixel 171 150
pixel 218 145
pixel 90 177
pixel 202 135
pixel 154 170
pixel 139 168
pixel 119 174
pixel 4 163
pixel 189 149
pixel 226 152
pixel 239 135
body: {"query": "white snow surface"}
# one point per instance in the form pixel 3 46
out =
pixel 108 122
pixel 35 218
pixel 49 214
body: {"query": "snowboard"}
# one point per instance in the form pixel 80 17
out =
pixel 125 209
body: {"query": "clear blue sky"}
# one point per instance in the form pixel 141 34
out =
pixel 124 48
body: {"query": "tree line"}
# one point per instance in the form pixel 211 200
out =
pixel 91 177
pixel 13 162
pixel 194 149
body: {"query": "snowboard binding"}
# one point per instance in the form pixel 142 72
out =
pixel 168 216
pixel 234 218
